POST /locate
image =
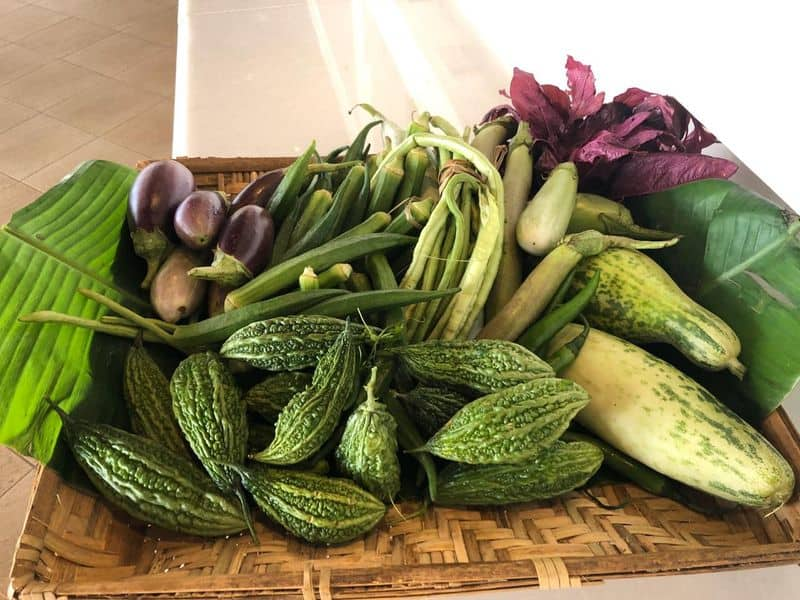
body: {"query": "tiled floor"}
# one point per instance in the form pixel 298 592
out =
pixel 79 80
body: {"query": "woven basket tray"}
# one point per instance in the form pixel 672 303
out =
pixel 75 545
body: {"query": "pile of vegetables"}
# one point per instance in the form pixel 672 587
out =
pixel 453 319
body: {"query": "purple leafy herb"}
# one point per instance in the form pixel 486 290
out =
pixel 638 143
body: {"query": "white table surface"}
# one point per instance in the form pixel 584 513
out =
pixel 264 77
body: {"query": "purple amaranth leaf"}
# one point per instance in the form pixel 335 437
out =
pixel 580 81
pixel 533 105
pixel 648 172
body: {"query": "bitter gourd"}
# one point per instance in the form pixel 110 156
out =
pixel 472 367
pixel 559 469
pixel 287 343
pixel 312 415
pixel 150 482
pixel 431 407
pixel 269 397
pixel 510 426
pixel 146 391
pixel 368 450
pixel 315 508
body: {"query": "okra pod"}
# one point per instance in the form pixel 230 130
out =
pixel 356 149
pixel 355 214
pixel 290 222
pixel 285 274
pixel 415 165
pixel 375 223
pixel 382 277
pixel 541 332
pixel 561 293
pixel 385 182
pixel 319 204
pixel 329 225
pixel 288 189
pixel 564 356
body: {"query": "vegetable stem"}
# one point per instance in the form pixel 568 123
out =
pixel 125 331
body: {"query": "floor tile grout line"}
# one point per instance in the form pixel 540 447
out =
pixel 13 485
pixel 19 42
pixel 131 119
pixel 48 165
pixel 25 120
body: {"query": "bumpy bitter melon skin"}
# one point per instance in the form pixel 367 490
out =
pixel 368 450
pixel 269 397
pixel 146 391
pixel 510 426
pixel 212 415
pixel 315 508
pixel 150 482
pixel 312 415
pixel 287 343
pixel 472 367
pixel 431 407
pixel 637 300
pixel 557 470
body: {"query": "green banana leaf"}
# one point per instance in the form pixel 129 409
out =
pixel 73 236
pixel 740 258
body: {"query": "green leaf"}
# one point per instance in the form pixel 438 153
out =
pixel 740 258
pixel 73 236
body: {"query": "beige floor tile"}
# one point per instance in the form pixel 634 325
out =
pixel 12 198
pixel 13 506
pixel 12 114
pixel 103 106
pixel 150 134
pixel 9 5
pixel 115 54
pixel 23 21
pixel 50 85
pixel 13 467
pixel 16 61
pixel 116 13
pixel 156 74
pixel 159 28
pixel 98 149
pixel 65 37
pixel 34 144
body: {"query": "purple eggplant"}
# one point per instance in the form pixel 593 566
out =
pixel 243 249
pixel 174 295
pixel 258 191
pixel 199 218
pixel 156 193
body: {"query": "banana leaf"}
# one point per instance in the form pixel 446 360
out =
pixel 740 258
pixel 73 236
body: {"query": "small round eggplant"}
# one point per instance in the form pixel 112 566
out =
pixel 199 218
pixel 244 247
pixel 174 295
pixel 153 198
pixel 258 191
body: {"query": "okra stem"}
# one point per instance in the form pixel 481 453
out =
pixel 115 320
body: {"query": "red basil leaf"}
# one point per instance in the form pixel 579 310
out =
pixel 648 172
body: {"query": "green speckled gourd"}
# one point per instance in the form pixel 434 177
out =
pixel 315 508
pixel 368 450
pixel 510 426
pixel 431 407
pixel 312 415
pixel 637 300
pixel 213 417
pixel 472 367
pixel 149 482
pixel 557 470
pixel 146 391
pixel 287 343
pixel 269 397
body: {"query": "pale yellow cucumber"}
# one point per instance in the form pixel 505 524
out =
pixel 648 409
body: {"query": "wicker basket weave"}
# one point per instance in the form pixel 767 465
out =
pixel 75 545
